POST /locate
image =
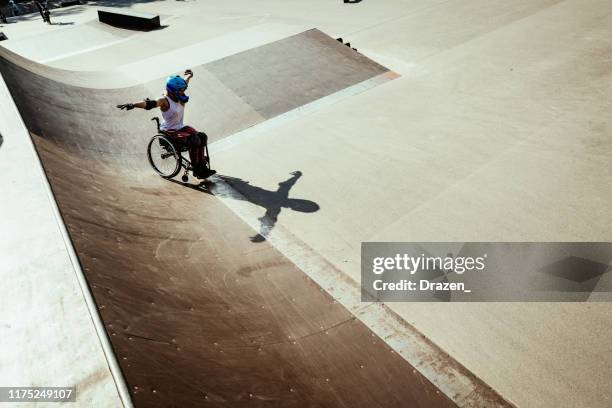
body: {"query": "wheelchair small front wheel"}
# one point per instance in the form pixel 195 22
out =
pixel 163 156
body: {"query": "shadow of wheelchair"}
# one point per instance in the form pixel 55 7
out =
pixel 272 201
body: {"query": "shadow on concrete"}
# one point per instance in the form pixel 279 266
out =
pixel 33 14
pixel 146 30
pixel 26 11
pixel 1 140
pixel 272 201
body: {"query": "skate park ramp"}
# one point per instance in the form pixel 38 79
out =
pixel 497 130
pixel 197 313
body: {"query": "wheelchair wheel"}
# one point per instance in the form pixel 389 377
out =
pixel 163 156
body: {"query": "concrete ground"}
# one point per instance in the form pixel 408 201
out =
pixel 497 130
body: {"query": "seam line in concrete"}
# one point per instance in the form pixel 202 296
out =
pixel 83 51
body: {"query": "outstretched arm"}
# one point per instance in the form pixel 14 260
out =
pixel 146 104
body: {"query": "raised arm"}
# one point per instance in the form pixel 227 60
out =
pixel 188 75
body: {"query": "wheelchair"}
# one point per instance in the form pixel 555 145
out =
pixel 165 154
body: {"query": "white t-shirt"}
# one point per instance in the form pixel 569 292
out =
pixel 173 117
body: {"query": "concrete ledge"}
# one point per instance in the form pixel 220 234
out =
pixel 129 19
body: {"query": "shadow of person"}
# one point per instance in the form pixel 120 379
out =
pixel 272 201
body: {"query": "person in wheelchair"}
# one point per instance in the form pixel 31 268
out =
pixel 172 106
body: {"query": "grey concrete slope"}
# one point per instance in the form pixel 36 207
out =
pixel 197 314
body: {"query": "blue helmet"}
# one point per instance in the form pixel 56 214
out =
pixel 176 84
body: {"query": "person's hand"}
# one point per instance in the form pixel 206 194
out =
pixel 296 173
pixel 126 106
pixel 188 72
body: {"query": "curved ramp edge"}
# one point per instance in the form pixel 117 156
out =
pixel 50 269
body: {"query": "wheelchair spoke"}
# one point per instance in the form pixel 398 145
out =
pixel 163 157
